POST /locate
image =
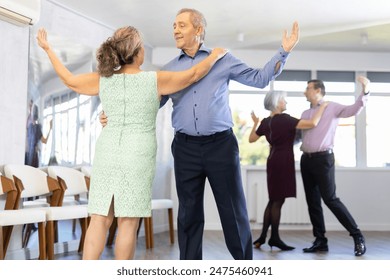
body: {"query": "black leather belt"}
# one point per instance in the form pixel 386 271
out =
pixel 203 139
pixel 318 154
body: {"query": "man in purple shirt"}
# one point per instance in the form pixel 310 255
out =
pixel 317 165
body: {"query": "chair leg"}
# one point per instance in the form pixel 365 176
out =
pixel 2 255
pixel 74 226
pixel 84 227
pixel 42 241
pixel 147 232
pixel 55 229
pixel 151 239
pixel 7 232
pixel 27 233
pixel 171 230
pixel 112 231
pixel 50 240
pixel 139 226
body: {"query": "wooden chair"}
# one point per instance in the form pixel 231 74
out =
pixel 76 192
pixel 29 228
pixel 10 217
pixel 34 182
pixel 158 204
pixel 75 186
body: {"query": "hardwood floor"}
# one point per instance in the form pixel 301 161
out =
pixel 214 248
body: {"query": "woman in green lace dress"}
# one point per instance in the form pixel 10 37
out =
pixel 125 156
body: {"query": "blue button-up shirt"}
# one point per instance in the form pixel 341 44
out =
pixel 203 108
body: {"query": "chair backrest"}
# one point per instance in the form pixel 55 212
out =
pixel 32 182
pixel 10 193
pixel 2 190
pixel 86 170
pixel 74 179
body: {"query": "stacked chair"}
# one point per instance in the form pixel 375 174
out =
pixel 33 182
pixel 12 216
pixel 76 191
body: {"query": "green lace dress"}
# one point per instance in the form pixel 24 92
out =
pixel 125 156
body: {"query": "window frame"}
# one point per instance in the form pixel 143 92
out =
pixel 360 119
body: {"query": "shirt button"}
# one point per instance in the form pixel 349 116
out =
pixel 196 105
pixel 198 133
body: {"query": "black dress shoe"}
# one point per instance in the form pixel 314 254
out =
pixel 318 246
pixel 360 246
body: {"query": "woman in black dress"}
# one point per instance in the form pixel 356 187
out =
pixel 279 129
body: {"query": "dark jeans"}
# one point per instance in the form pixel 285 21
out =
pixel 215 158
pixel 318 174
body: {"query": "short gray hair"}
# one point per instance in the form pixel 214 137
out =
pixel 272 98
pixel 197 19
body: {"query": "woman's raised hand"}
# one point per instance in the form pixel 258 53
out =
pixel 42 39
pixel 219 52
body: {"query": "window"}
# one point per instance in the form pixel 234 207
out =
pixel 242 102
pixel 340 87
pixel 292 81
pixel 377 124
pixel 75 119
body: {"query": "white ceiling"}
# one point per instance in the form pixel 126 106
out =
pixel 333 25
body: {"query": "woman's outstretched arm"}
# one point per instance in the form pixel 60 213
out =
pixel 84 83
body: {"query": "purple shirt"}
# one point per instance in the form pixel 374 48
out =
pixel 321 137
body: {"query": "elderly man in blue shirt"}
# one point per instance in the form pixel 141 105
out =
pixel 204 145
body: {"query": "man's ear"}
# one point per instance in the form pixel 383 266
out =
pixel 199 31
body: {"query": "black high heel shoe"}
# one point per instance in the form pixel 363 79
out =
pixel 280 244
pixel 259 241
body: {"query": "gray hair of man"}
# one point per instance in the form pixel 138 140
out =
pixel 272 98
pixel 197 19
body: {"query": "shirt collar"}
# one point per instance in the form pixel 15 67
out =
pixel 318 104
pixel 202 48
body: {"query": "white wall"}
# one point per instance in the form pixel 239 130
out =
pixel 299 60
pixel 365 192
pixel 13 91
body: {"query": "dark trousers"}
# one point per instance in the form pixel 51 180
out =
pixel 318 174
pixel 216 158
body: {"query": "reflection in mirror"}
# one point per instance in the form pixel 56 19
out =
pixel 74 117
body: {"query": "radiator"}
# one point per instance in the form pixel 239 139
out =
pixel 294 210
